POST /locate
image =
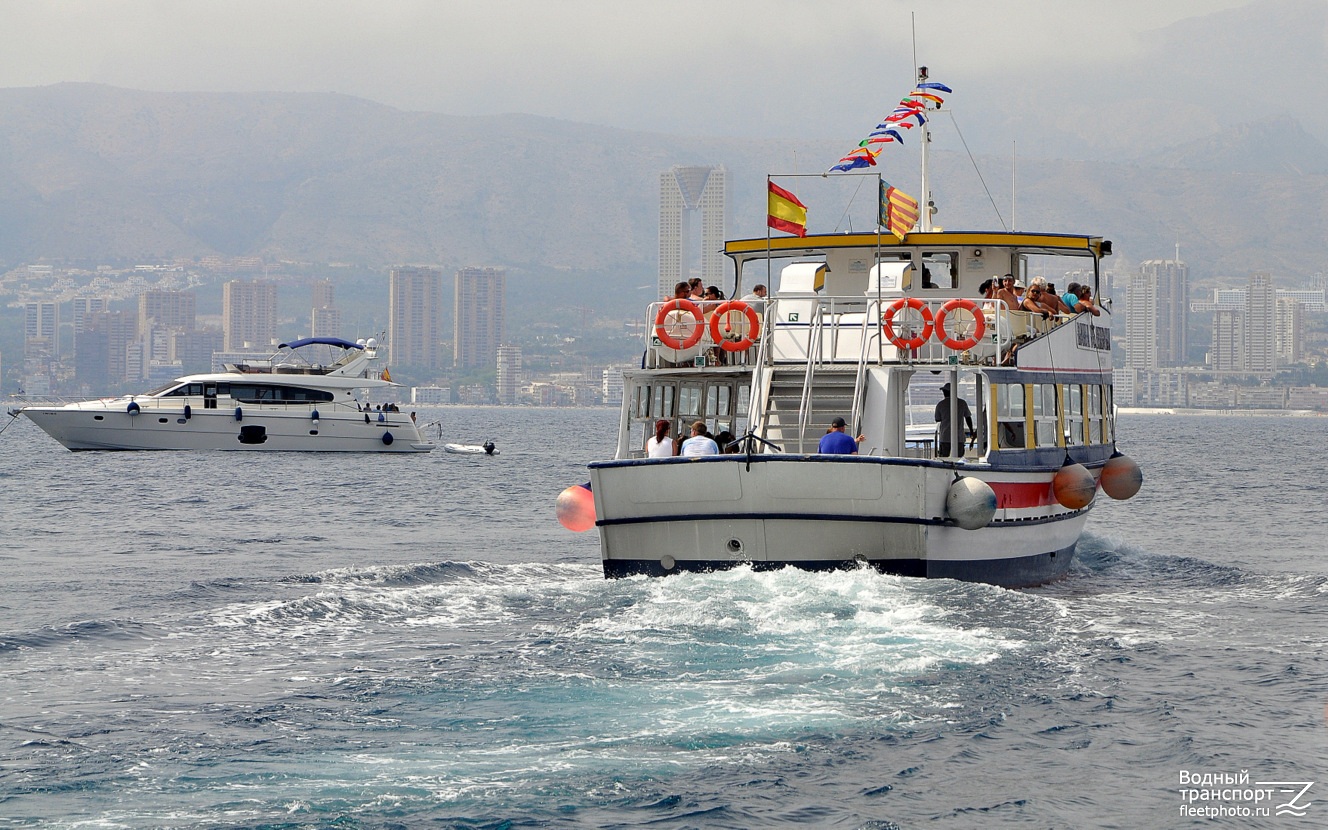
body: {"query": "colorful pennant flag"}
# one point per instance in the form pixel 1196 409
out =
pixel 899 211
pixel 787 214
pixel 908 114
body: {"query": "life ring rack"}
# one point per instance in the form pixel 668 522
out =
pixel 668 340
pixel 979 327
pixel 753 323
pixel 888 323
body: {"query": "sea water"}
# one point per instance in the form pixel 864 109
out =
pixel 305 640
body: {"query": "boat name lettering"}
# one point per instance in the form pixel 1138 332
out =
pixel 1093 337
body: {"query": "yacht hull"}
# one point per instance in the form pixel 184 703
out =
pixel 85 427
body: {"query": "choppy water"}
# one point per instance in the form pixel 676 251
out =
pixel 299 641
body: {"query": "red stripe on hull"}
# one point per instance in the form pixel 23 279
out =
pixel 1017 494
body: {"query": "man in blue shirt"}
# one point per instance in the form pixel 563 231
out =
pixel 837 442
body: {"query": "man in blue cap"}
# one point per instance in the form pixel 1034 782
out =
pixel 838 442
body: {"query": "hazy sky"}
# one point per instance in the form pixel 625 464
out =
pixel 811 69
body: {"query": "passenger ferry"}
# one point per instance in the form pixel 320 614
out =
pixel 311 395
pixel 867 327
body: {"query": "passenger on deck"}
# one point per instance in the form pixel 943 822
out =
pixel 682 291
pixel 1086 301
pixel 696 288
pixel 700 443
pixel 838 442
pixel 1004 291
pixel 660 445
pixel 724 439
pixel 1043 297
pixel 1032 303
pixel 944 429
pixel 1071 296
pixel 1052 300
pixel 711 299
pixel 756 299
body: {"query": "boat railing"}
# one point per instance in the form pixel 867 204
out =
pixel 679 337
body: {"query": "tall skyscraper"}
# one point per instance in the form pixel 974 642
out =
pixel 481 311
pixel 171 310
pixel 41 329
pixel 1261 324
pixel 103 348
pixel 414 301
pixel 683 192
pixel 1155 311
pixel 509 373
pixel 1228 350
pixel 1290 331
pixel 248 314
pixel 325 318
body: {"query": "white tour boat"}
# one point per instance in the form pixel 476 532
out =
pixel 868 327
pixel 285 402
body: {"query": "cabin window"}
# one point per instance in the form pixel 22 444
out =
pixel 661 402
pixel 1045 414
pixel 689 401
pixel 718 400
pixel 186 389
pixel 1010 412
pixel 267 393
pixel 1095 414
pixel 940 269
pixel 1074 414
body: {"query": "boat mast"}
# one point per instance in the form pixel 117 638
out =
pixel 927 205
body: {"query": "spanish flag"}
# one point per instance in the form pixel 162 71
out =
pixel 899 211
pixel 387 376
pixel 787 214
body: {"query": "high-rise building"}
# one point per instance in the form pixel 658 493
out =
pixel 103 348
pixel 414 301
pixel 169 310
pixel 1260 324
pixel 325 320
pixel 509 373
pixel 248 314
pixel 481 311
pixel 1228 350
pixel 1155 311
pixel 683 193
pixel 41 329
pixel 1290 330
pixel 83 306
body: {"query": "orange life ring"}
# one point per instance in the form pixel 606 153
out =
pixel 668 340
pixel 753 324
pixel 888 324
pixel 979 329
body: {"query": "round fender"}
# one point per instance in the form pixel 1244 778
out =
pixel 1121 477
pixel 667 338
pixel 888 323
pixel 753 326
pixel 133 408
pixel 388 439
pixel 1074 486
pixel 979 325
pixel 971 503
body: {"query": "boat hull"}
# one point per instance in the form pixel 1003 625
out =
pixel 85 427
pixel 825 513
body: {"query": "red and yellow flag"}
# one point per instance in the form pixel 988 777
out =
pixel 899 211
pixel 787 214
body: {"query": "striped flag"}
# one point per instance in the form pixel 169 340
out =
pixel 899 211
pixel 787 214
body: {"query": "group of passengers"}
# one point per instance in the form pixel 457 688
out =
pixel 1040 297
pixel 700 442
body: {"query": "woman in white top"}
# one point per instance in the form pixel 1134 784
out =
pixel 660 445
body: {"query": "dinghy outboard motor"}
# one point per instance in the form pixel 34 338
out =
pixel 489 447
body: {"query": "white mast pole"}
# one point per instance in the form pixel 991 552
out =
pixel 925 212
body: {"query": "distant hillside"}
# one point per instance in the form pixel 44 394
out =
pixel 92 173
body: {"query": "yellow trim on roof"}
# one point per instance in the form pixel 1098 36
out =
pixel 814 242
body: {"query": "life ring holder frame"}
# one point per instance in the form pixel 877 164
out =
pixel 888 323
pixel 668 340
pixel 753 321
pixel 979 329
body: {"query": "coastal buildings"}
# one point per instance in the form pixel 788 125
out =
pixel 248 314
pixel 414 297
pixel 480 318
pixel 509 373
pixel 325 317
pixel 687 194
pixel 1155 315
